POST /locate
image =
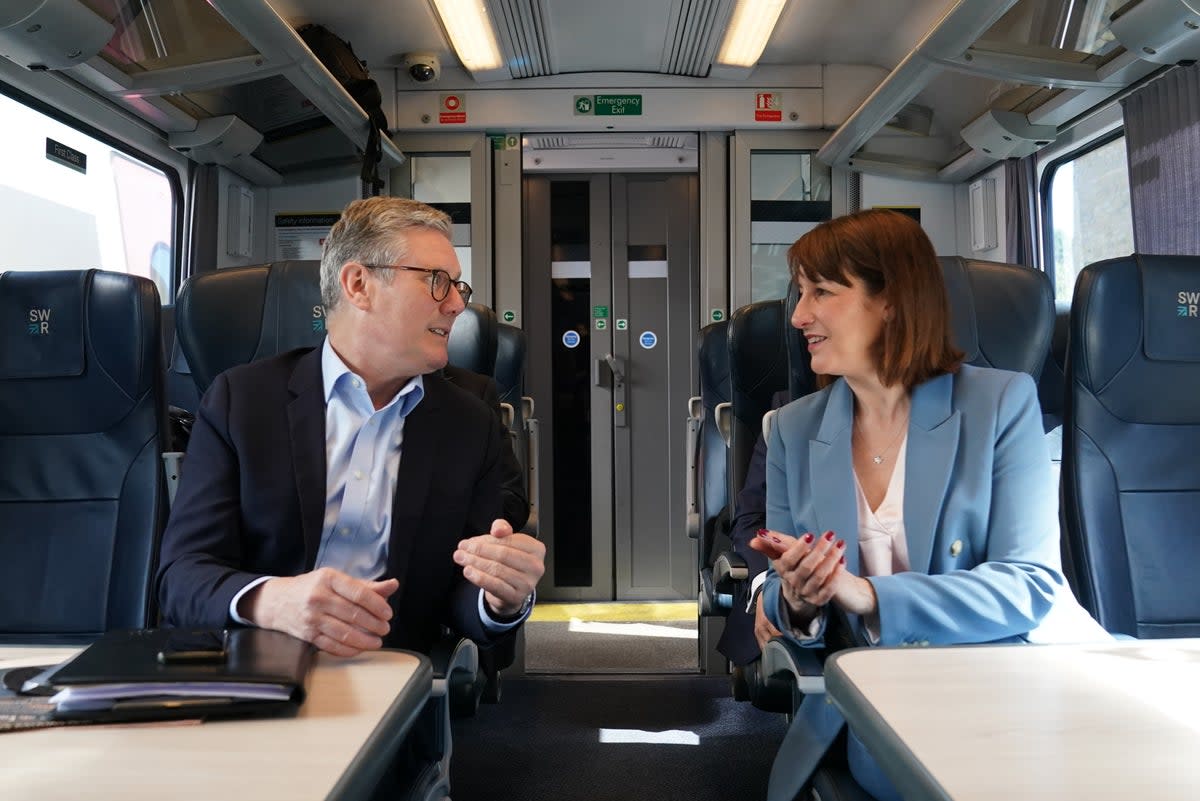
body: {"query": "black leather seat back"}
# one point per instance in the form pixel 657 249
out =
pixel 713 460
pixel 1131 474
pixel 82 427
pixel 1052 384
pixel 758 368
pixel 801 379
pixel 473 340
pixel 509 369
pixel 1002 314
pixel 228 317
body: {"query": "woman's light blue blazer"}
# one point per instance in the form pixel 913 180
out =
pixel 980 516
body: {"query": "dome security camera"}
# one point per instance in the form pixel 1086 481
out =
pixel 422 67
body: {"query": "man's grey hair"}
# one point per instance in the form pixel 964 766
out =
pixel 372 231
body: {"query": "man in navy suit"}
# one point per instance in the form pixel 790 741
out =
pixel 349 494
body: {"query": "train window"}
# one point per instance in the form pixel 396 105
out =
pixel 789 195
pixel 71 201
pixel 1086 211
pixel 443 180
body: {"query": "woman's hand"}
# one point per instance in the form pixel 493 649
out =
pixel 813 573
pixel 809 569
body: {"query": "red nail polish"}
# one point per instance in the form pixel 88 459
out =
pixel 842 561
pixel 776 539
pixel 841 544
pixel 829 536
pixel 762 532
pixel 808 538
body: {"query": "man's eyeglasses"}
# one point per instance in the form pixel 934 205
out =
pixel 439 280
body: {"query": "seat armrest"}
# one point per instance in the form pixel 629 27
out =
pixel 783 657
pixel 449 655
pixel 728 569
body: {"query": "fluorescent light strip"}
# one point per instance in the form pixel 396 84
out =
pixel 471 33
pixel 749 30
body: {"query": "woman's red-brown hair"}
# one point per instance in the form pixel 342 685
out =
pixel 891 255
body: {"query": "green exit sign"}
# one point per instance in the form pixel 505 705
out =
pixel 609 105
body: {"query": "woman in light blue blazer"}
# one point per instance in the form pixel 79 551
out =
pixel 912 493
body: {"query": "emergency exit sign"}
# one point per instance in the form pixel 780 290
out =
pixel 609 105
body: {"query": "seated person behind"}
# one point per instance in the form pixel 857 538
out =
pixel 747 630
pixel 341 493
pixel 962 547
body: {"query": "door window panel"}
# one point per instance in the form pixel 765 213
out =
pixel 443 180
pixel 789 195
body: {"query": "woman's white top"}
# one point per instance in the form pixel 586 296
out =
pixel 882 549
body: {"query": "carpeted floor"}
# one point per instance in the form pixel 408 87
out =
pixel 569 738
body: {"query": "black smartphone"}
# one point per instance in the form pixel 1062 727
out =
pixel 193 647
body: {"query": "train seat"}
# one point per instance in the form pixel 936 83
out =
pixel 82 427
pixel 1131 475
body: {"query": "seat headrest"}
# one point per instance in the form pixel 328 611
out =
pixel 1129 337
pixel 801 379
pixel 43 323
pixel 264 310
pixel 962 307
pixel 510 360
pixel 472 342
pixel 714 363
pixel 1171 307
pixel 758 359
pixel 1001 315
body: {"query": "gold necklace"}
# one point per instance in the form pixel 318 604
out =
pixel 882 455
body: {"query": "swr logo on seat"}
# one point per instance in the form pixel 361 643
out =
pixel 1189 304
pixel 39 321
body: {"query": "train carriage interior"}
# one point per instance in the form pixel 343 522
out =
pixel 623 181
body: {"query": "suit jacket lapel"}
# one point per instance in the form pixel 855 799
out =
pixel 306 424
pixel 832 473
pixel 933 433
pixel 421 429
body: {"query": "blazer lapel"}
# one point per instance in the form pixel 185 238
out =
pixel 306 424
pixel 421 428
pixel 933 433
pixel 831 472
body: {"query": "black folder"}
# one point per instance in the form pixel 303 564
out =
pixel 159 674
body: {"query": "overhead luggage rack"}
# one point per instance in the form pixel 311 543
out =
pixel 189 68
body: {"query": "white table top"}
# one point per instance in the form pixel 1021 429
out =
pixel 356 713
pixel 1029 722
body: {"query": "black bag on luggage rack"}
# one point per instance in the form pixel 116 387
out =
pixel 338 57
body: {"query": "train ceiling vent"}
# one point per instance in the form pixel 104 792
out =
pixel 615 152
pixel 545 37
pixel 524 36
pixel 614 141
pixel 693 36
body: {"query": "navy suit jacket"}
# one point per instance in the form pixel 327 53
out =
pixel 251 500
pixel 980 518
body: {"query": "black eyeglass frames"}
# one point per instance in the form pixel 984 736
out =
pixel 439 280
